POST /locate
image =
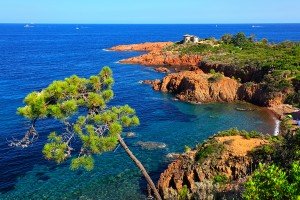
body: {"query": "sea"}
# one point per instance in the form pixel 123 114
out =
pixel 33 56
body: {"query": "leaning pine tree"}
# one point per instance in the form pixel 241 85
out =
pixel 80 104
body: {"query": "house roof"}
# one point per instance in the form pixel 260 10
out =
pixel 187 35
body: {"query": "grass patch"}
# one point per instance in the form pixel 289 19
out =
pixel 245 134
pixel 215 77
pixel 183 193
pixel 220 178
pixel 209 150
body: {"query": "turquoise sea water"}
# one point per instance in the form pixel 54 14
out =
pixel 31 58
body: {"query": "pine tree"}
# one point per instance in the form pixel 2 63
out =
pixel 80 104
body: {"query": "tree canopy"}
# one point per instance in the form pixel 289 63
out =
pixel 81 105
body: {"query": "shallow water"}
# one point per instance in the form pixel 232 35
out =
pixel 31 58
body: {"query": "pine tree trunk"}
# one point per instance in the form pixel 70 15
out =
pixel 141 167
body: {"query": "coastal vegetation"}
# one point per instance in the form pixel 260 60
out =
pixel 279 166
pixel 273 182
pixel 211 150
pixel 280 170
pixel 89 125
pixel 237 164
pixel 275 67
pixel 236 67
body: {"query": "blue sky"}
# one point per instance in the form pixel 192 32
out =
pixel 151 11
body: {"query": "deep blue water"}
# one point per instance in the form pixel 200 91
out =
pixel 31 58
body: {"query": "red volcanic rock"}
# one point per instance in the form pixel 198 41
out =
pixel 162 69
pixel 148 46
pixel 234 162
pixel 155 83
pixel 196 86
pixel 161 58
pixel 157 56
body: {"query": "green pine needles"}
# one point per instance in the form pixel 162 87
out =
pixel 80 104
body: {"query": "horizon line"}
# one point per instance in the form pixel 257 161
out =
pixel 69 23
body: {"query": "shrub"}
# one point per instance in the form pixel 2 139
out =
pixel 212 71
pixel 220 178
pixel 183 193
pixel 285 125
pixel 227 38
pixel 272 182
pixel 245 134
pixel 263 183
pixel 240 40
pixel 209 150
pixel 187 149
pixel 215 77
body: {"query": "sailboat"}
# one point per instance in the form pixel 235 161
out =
pixel 28 26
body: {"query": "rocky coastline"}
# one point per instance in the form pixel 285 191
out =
pixel 156 55
pixel 196 171
pixel 217 168
pixel 193 82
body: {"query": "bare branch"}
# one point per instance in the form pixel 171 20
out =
pixel 29 138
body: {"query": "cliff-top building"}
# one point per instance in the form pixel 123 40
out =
pixel 190 39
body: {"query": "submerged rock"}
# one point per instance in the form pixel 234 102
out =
pixel 151 145
pixel 130 134
pixel 162 69
pixel 172 156
pixel 155 83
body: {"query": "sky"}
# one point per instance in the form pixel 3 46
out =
pixel 149 12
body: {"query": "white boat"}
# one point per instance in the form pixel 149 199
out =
pixel 28 26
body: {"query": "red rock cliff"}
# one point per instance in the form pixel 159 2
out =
pixel 157 56
pixel 148 46
pixel 230 159
pixel 196 86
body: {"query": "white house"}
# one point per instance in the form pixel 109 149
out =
pixel 190 39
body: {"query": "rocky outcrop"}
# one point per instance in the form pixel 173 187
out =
pixel 197 170
pixel 162 69
pixel 155 83
pixel 196 86
pixel 157 56
pixel 256 94
pixel 199 87
pixel 148 46
pixel 160 58
pixel 245 73
pixel 282 110
pixel 151 145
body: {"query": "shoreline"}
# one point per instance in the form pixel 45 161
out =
pixel 156 56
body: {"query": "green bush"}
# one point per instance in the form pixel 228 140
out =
pixel 220 178
pixel 183 193
pixel 187 149
pixel 245 134
pixel 212 71
pixel 215 77
pixel 209 150
pixel 272 182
